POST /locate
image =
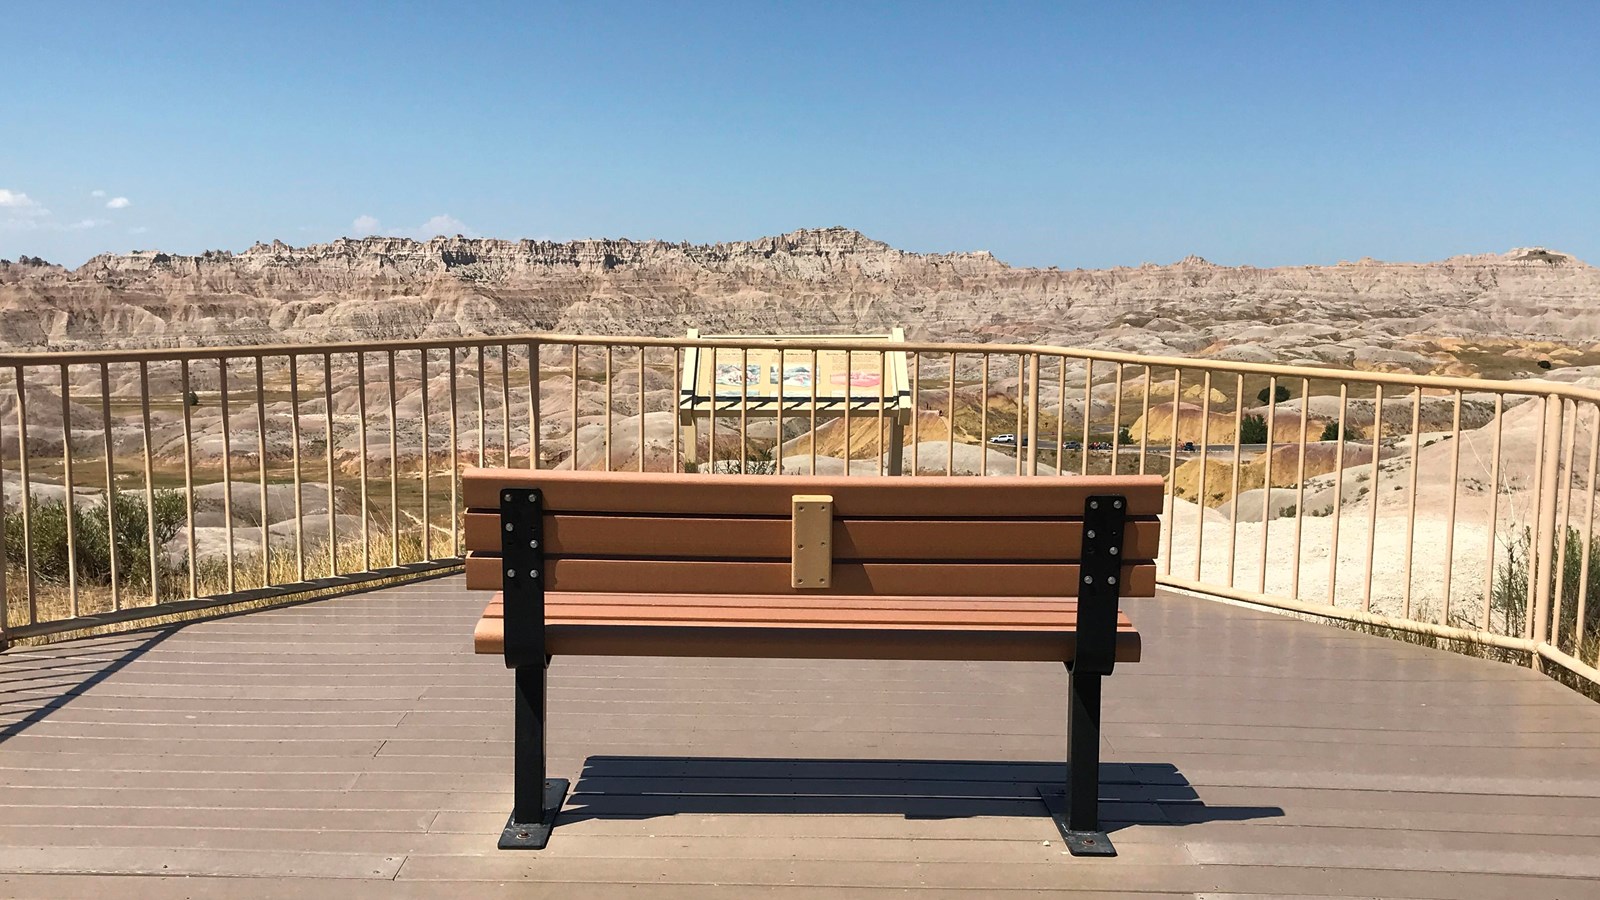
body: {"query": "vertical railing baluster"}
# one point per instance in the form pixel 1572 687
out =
pixel 1033 413
pixel 1587 534
pixel 1116 424
pixel 427 456
pixel 1544 546
pixel 884 377
pixel 849 377
pixel 950 398
pixel 1300 484
pixel 227 468
pixel 535 382
pixel 327 415
pixel 1088 416
pixel 1267 503
pixel 1017 429
pixel 394 462
pixel 68 492
pixel 505 404
pixel 1411 501
pixel 1338 496
pixel 1061 416
pixel 294 462
pixel 814 375
pixel 1200 493
pixel 574 410
pixel 483 413
pixel 188 477
pixel 111 488
pixel 641 410
pixel 608 399
pixel 1450 517
pixel 1144 420
pixel 916 412
pixel 983 419
pixel 1170 519
pixel 455 457
pixel 361 466
pixel 677 408
pixel 1563 510
pixel 1494 511
pixel 1372 506
pixel 261 461
pixel 150 483
pixel 1238 463
pixel 25 485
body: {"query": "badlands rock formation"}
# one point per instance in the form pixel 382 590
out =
pixel 1462 315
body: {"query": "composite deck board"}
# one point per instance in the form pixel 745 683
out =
pixel 357 748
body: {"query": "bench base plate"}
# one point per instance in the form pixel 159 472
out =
pixel 1079 843
pixel 535 835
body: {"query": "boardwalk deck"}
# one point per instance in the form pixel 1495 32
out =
pixel 356 748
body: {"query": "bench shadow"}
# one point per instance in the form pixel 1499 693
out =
pixel 644 787
pixel 35 682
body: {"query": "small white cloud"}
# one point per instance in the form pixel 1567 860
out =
pixel 139 230
pixel 85 224
pixel 97 194
pixel 442 224
pixel 118 203
pixel 16 203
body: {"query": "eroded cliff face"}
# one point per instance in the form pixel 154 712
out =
pixel 806 281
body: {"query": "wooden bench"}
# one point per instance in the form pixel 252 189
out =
pixel 930 568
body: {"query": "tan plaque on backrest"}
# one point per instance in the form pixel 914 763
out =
pixel 811 556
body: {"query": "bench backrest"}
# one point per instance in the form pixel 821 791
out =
pixel 620 532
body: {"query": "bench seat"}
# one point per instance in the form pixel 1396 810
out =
pixel 793 626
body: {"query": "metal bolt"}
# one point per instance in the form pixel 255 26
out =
pixel 508 526
pixel 1089 534
pixel 511 573
pixel 523 835
pixel 1116 504
pixel 533 544
pixel 535 574
pixel 1113 551
pixel 1088 579
pixel 1111 580
pixel 1094 504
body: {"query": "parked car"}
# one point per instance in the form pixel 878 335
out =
pixel 1003 439
pixel 1072 445
pixel 1188 446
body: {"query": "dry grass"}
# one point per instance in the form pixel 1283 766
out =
pixel 54 602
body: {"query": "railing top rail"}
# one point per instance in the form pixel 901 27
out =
pixel 854 342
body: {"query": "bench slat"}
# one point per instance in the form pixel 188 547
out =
pixel 668 625
pixel 921 497
pixel 768 538
pixel 921 578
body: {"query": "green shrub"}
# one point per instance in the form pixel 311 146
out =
pixel 1281 394
pixel 91 539
pixel 1330 432
pixel 1508 600
pixel 1253 430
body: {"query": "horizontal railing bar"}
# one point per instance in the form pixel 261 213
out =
pixel 1323 610
pixel 802 344
pixel 134 614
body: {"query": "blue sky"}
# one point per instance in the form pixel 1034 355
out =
pixel 1066 134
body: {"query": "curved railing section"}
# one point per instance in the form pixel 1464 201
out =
pixel 144 483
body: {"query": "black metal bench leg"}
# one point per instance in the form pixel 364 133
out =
pixel 1077 811
pixel 537 798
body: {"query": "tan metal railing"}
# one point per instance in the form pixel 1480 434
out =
pixel 1451 507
